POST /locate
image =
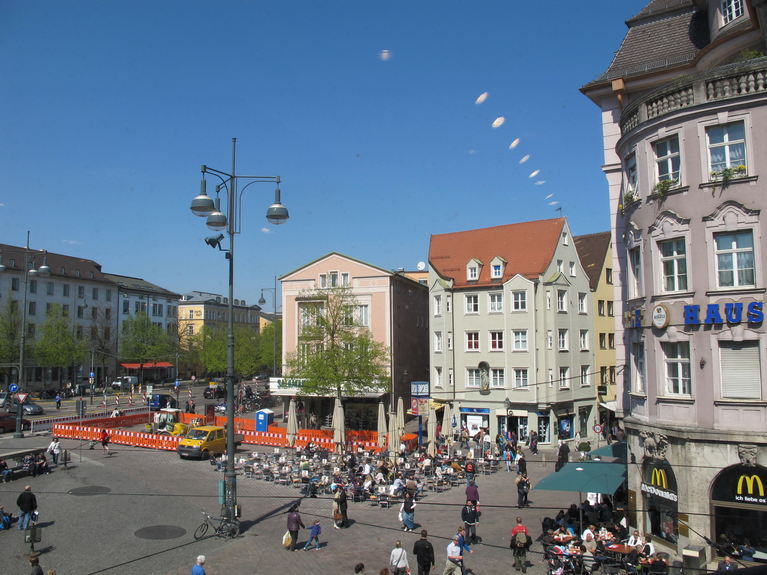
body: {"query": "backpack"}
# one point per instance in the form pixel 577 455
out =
pixel 520 539
pixel 469 467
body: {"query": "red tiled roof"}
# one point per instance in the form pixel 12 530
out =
pixel 527 248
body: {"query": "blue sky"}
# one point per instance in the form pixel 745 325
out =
pixel 109 108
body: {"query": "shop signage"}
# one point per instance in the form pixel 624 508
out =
pixel 660 316
pixel 741 484
pixel 475 410
pixel 659 481
pixel 419 389
pixel 750 489
pixel 731 313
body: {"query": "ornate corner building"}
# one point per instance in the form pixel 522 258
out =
pixel 684 117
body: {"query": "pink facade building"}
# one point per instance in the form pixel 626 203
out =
pixel 392 306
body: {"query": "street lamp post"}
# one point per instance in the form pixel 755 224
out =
pixel 42 271
pixel 204 206
pixel 262 301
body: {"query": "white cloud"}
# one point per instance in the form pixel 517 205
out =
pixel 472 152
pixel 266 230
pixel 481 98
pixel 540 182
pixel 384 55
pixel 554 203
pixel 534 173
pixel 549 197
pixel 72 242
pixel 2 205
pixel 498 122
pixel 524 159
pixel 514 144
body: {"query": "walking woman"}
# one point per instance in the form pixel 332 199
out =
pixel 294 524
pixel 407 510
pixel 398 560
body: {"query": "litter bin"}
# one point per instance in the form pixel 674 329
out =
pixel 264 418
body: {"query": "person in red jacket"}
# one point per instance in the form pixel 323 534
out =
pixel 519 544
pixel 105 441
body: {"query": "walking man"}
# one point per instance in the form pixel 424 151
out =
pixel 105 441
pixel 424 554
pixel 55 450
pixel 58 401
pixel 519 545
pixel 454 563
pixel 27 503
pixel 470 517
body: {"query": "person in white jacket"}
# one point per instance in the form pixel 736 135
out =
pixel 398 560
pixel 55 450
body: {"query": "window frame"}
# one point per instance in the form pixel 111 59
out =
pixel 519 300
pixel 564 377
pixel 437 305
pixel 583 339
pixel 473 375
pixel 731 10
pixel 636 283
pixel 497 304
pixel 675 258
pixel 437 342
pixel 583 302
pixel 585 375
pixel 497 377
pixel 679 362
pixel 714 174
pixel 563 339
pixel 471 297
pixel 668 159
pixel 496 340
pixel 470 340
pixel 521 378
pixel 562 298
pixel 520 339
pixel 734 252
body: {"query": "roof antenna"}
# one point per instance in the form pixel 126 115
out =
pixel 559 209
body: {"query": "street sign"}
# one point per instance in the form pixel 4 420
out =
pixel 453 422
pixel 13 388
pixel 597 428
pixel 92 375
pixel 21 397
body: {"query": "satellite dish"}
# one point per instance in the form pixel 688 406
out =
pixel 421 266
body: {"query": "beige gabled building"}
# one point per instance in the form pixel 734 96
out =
pixel 595 253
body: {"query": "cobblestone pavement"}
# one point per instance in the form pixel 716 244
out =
pixel 140 508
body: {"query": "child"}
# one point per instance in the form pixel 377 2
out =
pixel 314 535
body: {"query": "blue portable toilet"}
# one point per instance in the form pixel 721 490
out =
pixel 264 418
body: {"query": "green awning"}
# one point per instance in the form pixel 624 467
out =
pixel 586 477
pixel 617 450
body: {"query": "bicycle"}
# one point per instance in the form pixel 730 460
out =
pixel 222 526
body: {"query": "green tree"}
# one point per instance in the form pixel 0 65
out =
pixel 143 341
pixel 102 340
pixel 57 345
pixel 269 354
pixel 336 355
pixel 212 344
pixel 10 335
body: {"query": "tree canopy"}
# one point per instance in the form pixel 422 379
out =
pixel 57 345
pixel 336 354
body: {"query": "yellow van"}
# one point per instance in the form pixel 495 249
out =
pixel 202 442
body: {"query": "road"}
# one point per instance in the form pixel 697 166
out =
pixel 134 512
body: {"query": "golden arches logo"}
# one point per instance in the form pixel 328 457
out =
pixel 750 481
pixel 659 478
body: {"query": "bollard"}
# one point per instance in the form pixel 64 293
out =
pixel 65 458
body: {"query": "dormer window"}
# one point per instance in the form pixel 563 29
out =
pixel 731 10
pixel 497 266
pixel 473 273
pixel 565 239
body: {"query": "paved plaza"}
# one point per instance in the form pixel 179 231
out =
pixel 134 512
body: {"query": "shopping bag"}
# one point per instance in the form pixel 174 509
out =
pixel 286 539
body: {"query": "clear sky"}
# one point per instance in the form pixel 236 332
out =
pixel 367 111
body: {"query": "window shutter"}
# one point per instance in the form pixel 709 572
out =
pixel 740 376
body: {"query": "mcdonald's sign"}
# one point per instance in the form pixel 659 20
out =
pixel 749 482
pixel 659 478
pixel 741 484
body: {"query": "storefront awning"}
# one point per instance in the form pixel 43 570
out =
pixel 296 392
pixel 618 450
pixel 586 477
pixel 609 405
pixel 147 365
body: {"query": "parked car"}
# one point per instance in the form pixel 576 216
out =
pixel 29 408
pixel 8 423
pixel 214 392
